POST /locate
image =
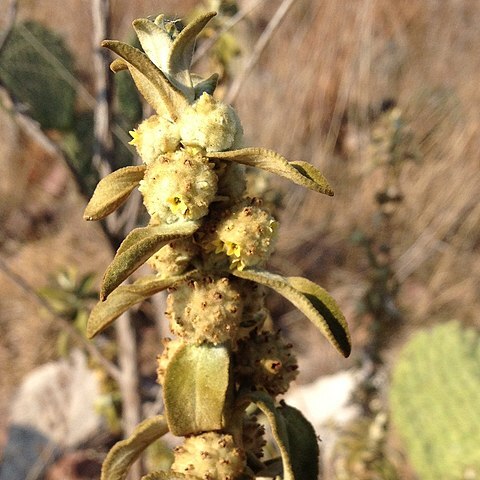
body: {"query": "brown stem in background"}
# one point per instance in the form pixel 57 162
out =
pixel 103 151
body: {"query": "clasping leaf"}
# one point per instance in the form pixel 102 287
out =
pixel 195 388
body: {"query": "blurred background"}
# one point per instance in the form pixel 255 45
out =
pixel 383 97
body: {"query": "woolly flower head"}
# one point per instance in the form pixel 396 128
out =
pixel 155 136
pixel 210 125
pixel 177 186
pixel 246 234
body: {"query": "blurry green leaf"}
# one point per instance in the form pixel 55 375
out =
pixel 139 245
pixel 124 453
pixel 300 173
pixel 124 297
pixel 312 300
pixel 152 83
pixel 303 443
pixel 195 388
pixel 112 191
pixel 35 65
pixel 182 49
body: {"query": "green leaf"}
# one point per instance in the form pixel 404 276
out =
pixel 182 49
pixel 124 297
pixel 124 453
pixel 312 300
pixel 155 41
pixel 195 388
pixel 205 86
pixel 303 451
pixel 112 191
pixel 279 430
pixel 139 245
pixel 152 83
pixel 301 173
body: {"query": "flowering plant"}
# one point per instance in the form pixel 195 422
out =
pixel 207 242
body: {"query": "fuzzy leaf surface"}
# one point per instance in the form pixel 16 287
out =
pixel 124 297
pixel 112 191
pixel 155 41
pixel 124 453
pixel 152 83
pixel 312 300
pixel 279 430
pixel 301 173
pixel 304 451
pixel 139 245
pixel 182 49
pixel 164 476
pixel 195 388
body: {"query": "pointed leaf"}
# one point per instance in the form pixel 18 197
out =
pixel 152 83
pixel 139 245
pixel 124 453
pixel 155 41
pixel 312 300
pixel 205 86
pixel 112 191
pixel 182 49
pixel 195 388
pixel 303 443
pixel 124 297
pixel 300 173
pixel 279 430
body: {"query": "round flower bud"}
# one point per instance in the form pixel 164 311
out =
pixel 206 310
pixel 155 136
pixel 174 258
pixel 246 233
pixel 178 186
pixel 211 456
pixel 266 363
pixel 210 125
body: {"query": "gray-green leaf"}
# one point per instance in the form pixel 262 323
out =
pixel 152 83
pixel 312 300
pixel 112 191
pixel 124 297
pixel 182 49
pixel 139 245
pixel 303 443
pixel 301 173
pixel 124 453
pixel 195 388
pixel 279 430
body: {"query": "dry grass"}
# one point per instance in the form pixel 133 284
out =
pixel 310 97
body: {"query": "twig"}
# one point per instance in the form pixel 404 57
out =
pixel 111 369
pixel 127 349
pixel 262 42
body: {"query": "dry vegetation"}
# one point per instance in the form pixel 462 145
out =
pixel 311 96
